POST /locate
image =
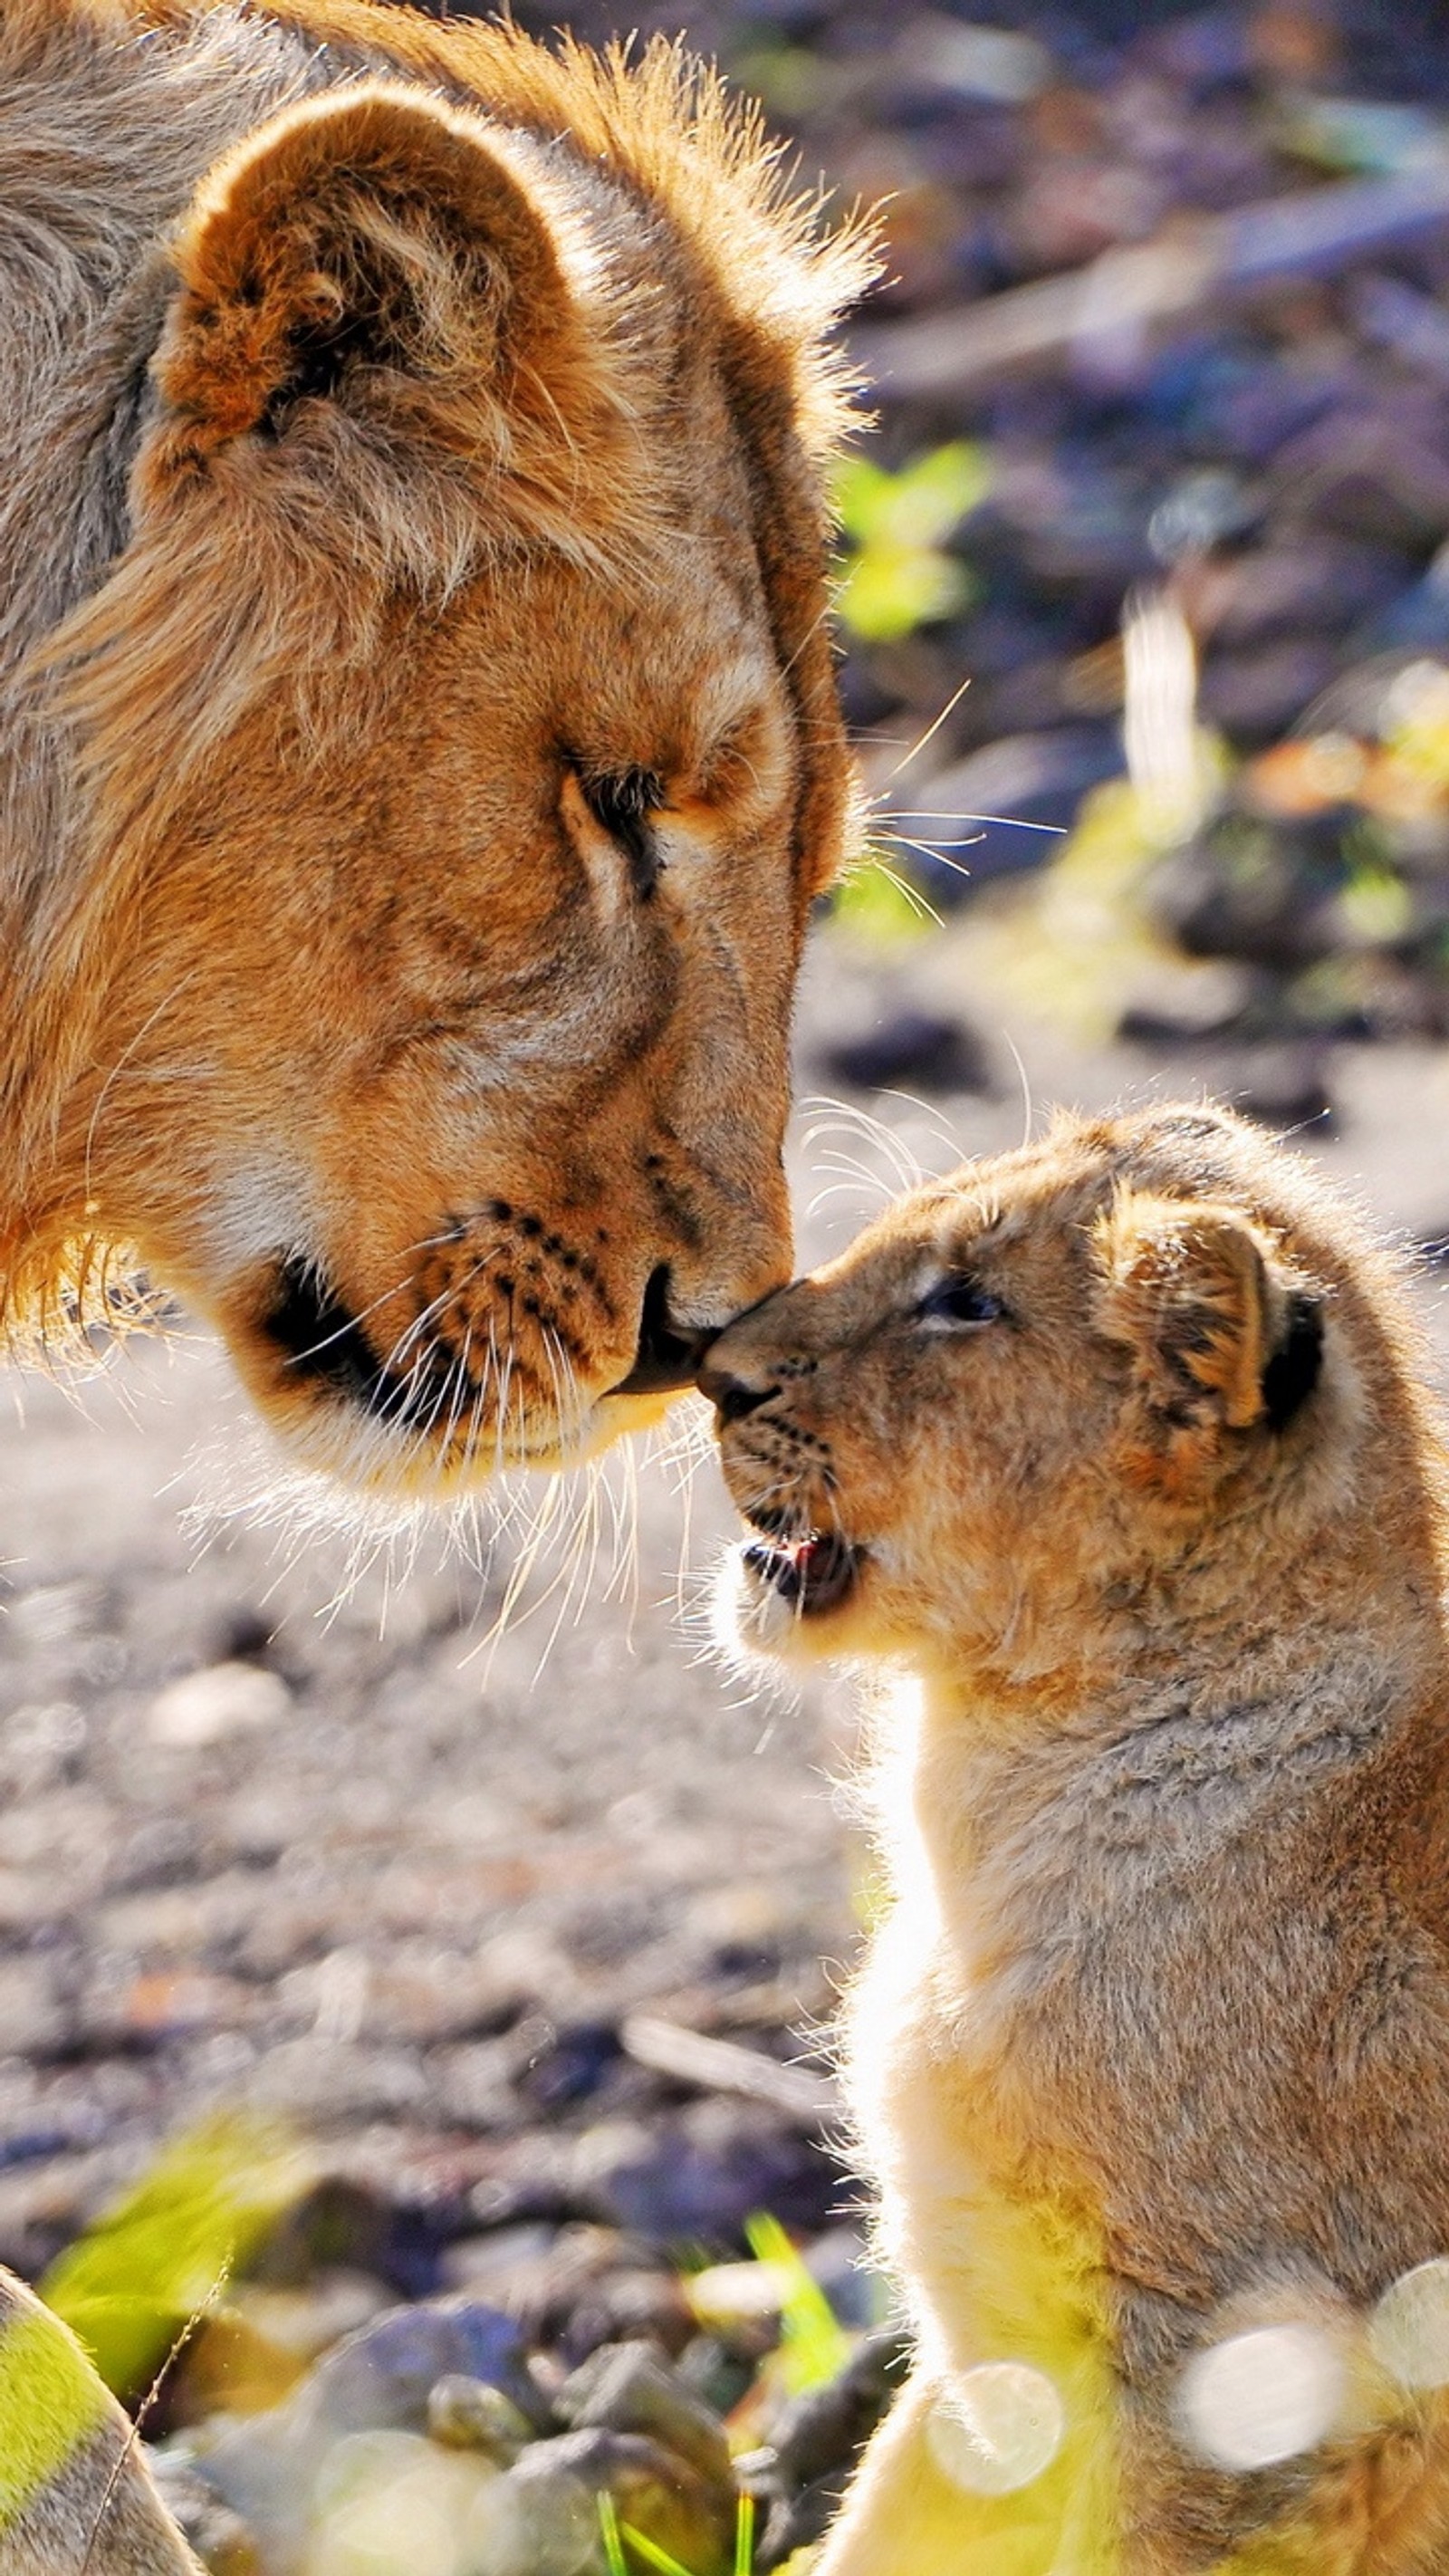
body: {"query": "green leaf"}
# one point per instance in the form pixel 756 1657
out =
pixel 880 906
pixel 897 574
pixel 651 2553
pixel 814 2345
pixel 744 2535
pixel 890 590
pixel 920 505
pixel 613 2545
pixel 135 2279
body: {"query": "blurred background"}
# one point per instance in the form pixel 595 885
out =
pixel 1146 559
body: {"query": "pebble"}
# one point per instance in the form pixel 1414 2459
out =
pixel 697 2177
pixel 205 1708
pixel 817 2439
pixel 653 2489
pixel 626 2388
pixel 472 2415
pixel 915 1048
pixel 377 2381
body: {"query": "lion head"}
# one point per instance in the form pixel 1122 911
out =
pixel 449 755
pixel 1061 1402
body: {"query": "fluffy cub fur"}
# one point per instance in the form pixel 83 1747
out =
pixel 418 739
pixel 1114 1455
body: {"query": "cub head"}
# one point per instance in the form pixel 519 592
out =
pixel 1091 1390
pixel 456 755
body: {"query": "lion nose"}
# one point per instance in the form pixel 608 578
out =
pixel 669 1354
pixel 732 1396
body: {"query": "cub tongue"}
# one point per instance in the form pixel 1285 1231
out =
pixel 814 1573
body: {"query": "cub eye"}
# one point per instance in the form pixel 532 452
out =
pixel 623 806
pixel 961 1301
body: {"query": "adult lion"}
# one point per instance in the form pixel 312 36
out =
pixel 419 745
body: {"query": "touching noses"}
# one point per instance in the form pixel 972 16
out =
pixel 729 1389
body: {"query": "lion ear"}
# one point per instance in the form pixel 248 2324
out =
pixel 1224 1337
pixel 375 264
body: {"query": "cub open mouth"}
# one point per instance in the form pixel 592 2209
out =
pixel 812 1573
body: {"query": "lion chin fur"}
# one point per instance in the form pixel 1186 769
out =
pixel 419 744
pixel 1112 1460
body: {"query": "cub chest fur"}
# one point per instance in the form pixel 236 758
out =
pixel 1119 1448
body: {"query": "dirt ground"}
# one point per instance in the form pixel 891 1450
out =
pixel 285 1826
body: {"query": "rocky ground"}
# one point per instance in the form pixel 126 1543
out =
pixel 531 1932
pixel 530 1941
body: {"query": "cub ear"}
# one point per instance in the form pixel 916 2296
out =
pixel 374 261
pixel 1224 1336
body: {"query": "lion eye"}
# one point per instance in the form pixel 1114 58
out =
pixel 623 806
pixel 960 1301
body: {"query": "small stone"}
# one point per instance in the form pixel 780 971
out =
pixel 384 2374
pixel 1279 1087
pixel 796 2522
pixel 1024 778
pixel 697 2178
pixel 33 2018
pixel 1254 693
pixel 661 2495
pixel 472 2415
pixel 377 2382
pixel 627 2389
pixel 725 2295
pixel 226 1699
pixel 221 2539
pixel 310 2320
pixel 828 2427
pixel 719 2370
pixel 918 1048
pixel 629 2306
pixel 538 2519
pixel 388 2501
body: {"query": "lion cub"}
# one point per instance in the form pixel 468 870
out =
pixel 1114 1452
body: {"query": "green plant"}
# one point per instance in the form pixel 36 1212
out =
pixel 615 2534
pixel 877 901
pixel 814 2345
pixel 135 2281
pixel 897 575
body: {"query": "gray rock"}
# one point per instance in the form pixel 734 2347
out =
pixel 384 2374
pixel 798 2521
pixel 472 2415
pixel 1025 777
pixel 540 2519
pixel 653 2490
pixel 917 1048
pixel 828 2427
pixel 219 2536
pixel 378 2380
pixel 625 2388
pixel 697 2177
pixel 817 2440
pixel 1253 693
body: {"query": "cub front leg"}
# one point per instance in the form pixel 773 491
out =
pixel 901 2516
pixel 906 2515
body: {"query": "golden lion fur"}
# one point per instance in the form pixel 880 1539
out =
pixel 418 737
pixel 1114 1457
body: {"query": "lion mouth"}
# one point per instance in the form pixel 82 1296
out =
pixel 668 1356
pixel 811 1574
pixel 322 1343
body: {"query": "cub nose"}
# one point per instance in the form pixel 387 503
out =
pixel 731 1395
pixel 669 1354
